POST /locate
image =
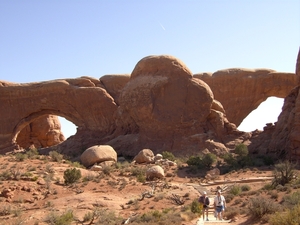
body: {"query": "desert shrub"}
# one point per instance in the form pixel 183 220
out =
pixel 75 164
pixel 231 212
pixel 107 217
pixel 64 219
pixel 32 153
pixel 72 175
pixel 55 156
pixel 245 187
pixel 229 197
pixel 268 187
pixel 156 217
pixel 235 190
pixel 230 160
pixel 209 159
pixel 289 217
pixel 202 162
pixel 20 157
pixel 258 207
pixel 107 170
pixel 292 199
pixel 284 173
pixel 168 155
pixel 195 207
pixel 273 194
pixel 139 173
pixel 241 150
pixel 194 161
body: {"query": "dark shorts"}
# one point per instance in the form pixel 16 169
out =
pixel 219 209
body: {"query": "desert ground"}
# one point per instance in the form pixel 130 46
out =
pixel 34 191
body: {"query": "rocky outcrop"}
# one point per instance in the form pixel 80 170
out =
pixel 241 91
pixel 43 132
pixel 161 106
pixel 286 136
pixel 165 107
pixel 82 101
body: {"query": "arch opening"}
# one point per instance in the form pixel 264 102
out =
pixel 267 112
pixel 41 130
pixel 67 127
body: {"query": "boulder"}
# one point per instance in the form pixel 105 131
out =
pixel 98 154
pixel 155 172
pixel 144 156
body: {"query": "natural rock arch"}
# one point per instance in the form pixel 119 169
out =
pixel 160 106
pixel 241 91
pixel 82 101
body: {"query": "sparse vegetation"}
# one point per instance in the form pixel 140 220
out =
pixel 55 156
pixel 65 218
pixel 205 161
pixel 168 155
pixel 284 173
pixel 259 207
pixel 71 176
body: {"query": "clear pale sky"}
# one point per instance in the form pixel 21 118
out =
pixel 47 40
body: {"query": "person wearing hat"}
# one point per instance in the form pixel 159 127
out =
pixel 219 205
pixel 204 204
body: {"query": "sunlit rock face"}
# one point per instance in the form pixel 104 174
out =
pixel 43 132
pixel 160 106
pixel 241 91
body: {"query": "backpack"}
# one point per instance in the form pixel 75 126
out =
pixel 204 201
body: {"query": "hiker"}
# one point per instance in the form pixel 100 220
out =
pixel 219 205
pixel 204 201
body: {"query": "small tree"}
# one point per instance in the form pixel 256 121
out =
pixel 209 159
pixel 241 150
pixel 284 173
pixel 72 175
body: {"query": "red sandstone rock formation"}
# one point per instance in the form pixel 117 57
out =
pixel 43 132
pixel 241 91
pixel 161 106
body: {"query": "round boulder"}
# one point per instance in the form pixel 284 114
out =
pixel 144 156
pixel 155 172
pixel 98 154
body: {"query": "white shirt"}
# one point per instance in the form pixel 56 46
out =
pixel 219 200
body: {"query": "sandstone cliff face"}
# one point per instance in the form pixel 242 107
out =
pixel 285 139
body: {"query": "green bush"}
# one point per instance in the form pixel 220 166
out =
pixel 289 217
pixel 209 159
pixel 292 199
pixel 168 155
pixel 72 175
pixel 55 156
pixel 230 160
pixel 241 150
pixel 195 207
pixel 202 162
pixel 32 153
pixel 20 157
pixel 63 219
pixel 259 207
pixel 245 187
pixel 235 190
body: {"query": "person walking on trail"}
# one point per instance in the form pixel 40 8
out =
pixel 219 205
pixel 204 204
